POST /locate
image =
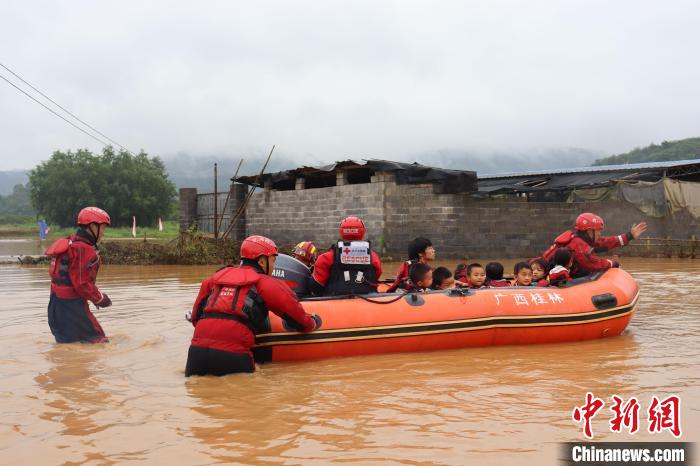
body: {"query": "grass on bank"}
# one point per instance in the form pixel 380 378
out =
pixel 29 228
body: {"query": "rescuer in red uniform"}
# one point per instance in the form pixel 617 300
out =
pixel 350 266
pixel 586 241
pixel 306 253
pixel 73 271
pixel 232 306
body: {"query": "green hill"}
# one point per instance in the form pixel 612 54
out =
pixel 684 149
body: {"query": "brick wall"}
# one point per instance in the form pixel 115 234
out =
pixel 458 225
pixel 315 214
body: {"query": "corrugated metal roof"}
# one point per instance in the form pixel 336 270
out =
pixel 597 169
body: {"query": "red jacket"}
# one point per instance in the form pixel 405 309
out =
pixel 401 280
pixel 73 270
pixel 497 283
pixel 322 267
pixel 584 254
pixel 232 335
pixel 559 275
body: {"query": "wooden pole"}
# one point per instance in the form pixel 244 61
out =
pixel 242 207
pixel 216 201
pixel 228 197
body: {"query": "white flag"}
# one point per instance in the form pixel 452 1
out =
pixel 160 224
pixel 133 226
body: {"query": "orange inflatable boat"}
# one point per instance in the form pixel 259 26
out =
pixel 597 306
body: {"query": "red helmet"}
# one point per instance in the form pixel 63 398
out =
pixel 93 215
pixel 306 252
pixel 255 246
pixel 352 228
pixel 589 221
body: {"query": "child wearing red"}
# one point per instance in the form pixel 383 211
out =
pixel 522 273
pixel 563 261
pixel 494 275
pixel 442 279
pixel 540 270
pixel 476 275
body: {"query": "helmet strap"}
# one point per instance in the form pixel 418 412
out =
pixel 88 229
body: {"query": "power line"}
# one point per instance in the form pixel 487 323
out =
pixel 64 109
pixel 59 116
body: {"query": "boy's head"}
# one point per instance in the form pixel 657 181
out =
pixel 540 269
pixel 442 279
pixel 494 271
pixel 421 248
pixel 523 274
pixel 421 275
pixel 564 258
pixel 476 274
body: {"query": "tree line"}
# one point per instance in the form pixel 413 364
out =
pixel 684 149
pixel 124 185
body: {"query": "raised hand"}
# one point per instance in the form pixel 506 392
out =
pixel 638 229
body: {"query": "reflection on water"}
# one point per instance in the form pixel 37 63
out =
pixel 129 401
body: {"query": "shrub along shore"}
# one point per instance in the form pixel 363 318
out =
pixel 190 248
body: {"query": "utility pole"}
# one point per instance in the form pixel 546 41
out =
pixel 216 202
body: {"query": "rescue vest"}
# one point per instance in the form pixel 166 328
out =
pixel 352 271
pixel 234 296
pixel 58 270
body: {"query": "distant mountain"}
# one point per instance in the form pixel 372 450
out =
pixel 684 149
pixel 496 162
pixel 197 171
pixel 192 171
pixel 10 178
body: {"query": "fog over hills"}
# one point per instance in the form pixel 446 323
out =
pixel 9 178
pixel 197 171
pixel 188 171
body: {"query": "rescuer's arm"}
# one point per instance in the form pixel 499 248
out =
pixel 201 301
pixel 401 276
pixel 281 300
pixel 83 273
pixel 321 274
pixel 592 263
pixel 606 243
pixel 377 264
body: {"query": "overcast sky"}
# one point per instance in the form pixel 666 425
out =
pixel 327 80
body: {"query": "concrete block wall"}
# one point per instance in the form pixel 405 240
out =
pixel 458 225
pixel 462 227
pixel 315 214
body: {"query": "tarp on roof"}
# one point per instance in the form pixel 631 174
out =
pixel 451 181
pixel 563 181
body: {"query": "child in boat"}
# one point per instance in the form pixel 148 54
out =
pixel 476 275
pixel 494 275
pixel 442 279
pixel 540 270
pixel 522 273
pixel 560 273
pixel 421 276
pixel 461 273
pixel 420 251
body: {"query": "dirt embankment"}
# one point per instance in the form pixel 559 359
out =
pixel 188 249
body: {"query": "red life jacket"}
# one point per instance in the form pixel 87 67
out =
pixel 58 270
pixel 560 241
pixel 234 297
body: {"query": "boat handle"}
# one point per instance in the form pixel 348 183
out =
pixel 604 301
pixel 413 299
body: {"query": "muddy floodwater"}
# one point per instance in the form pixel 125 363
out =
pixel 129 400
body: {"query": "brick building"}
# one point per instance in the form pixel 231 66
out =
pixel 514 215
